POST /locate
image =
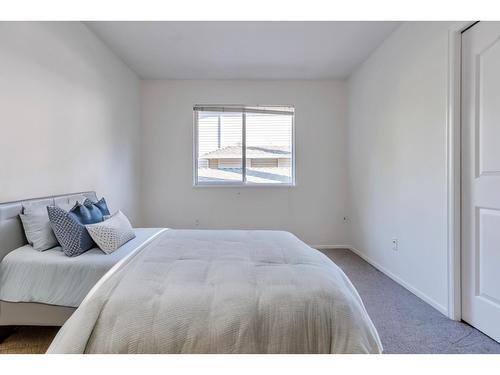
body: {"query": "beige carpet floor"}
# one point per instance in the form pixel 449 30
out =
pixel 28 340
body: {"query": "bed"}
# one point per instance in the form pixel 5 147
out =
pixel 183 291
pixel 44 288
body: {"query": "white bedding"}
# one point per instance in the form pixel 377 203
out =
pixel 28 275
pixel 194 291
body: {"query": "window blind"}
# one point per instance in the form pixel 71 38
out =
pixel 276 110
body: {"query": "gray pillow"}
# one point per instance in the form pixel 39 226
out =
pixel 70 233
pixel 112 233
pixel 37 227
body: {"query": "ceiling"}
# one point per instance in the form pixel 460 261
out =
pixel 243 50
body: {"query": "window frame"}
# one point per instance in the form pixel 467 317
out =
pixel 244 183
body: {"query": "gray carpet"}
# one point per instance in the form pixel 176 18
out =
pixel 405 323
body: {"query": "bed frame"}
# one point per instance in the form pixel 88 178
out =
pixel 12 237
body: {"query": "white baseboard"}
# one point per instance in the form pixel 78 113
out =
pixel 442 309
pixel 327 247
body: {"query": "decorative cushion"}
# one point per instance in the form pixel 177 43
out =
pixel 102 205
pixel 37 227
pixel 111 233
pixel 70 232
pixel 87 213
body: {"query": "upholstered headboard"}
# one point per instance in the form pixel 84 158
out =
pixel 11 229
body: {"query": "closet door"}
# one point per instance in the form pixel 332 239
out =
pixel 481 177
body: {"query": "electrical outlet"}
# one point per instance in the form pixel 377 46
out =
pixel 197 223
pixel 395 244
pixel 346 219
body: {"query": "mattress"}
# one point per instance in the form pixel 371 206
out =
pixel 50 277
pixel 212 291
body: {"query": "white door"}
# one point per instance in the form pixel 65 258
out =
pixel 481 177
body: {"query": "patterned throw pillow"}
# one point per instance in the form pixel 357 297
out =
pixel 111 233
pixel 70 232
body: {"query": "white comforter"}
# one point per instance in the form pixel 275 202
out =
pixel 221 292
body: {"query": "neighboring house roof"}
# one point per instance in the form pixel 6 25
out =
pixel 235 152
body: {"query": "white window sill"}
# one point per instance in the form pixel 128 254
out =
pixel 239 185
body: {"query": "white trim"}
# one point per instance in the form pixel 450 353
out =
pixel 453 169
pixel 243 148
pixel 229 184
pixel 442 309
pixel 294 150
pixel 330 247
pixel 195 148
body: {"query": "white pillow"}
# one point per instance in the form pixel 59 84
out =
pixel 37 227
pixel 112 233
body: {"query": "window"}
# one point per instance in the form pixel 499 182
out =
pixel 244 145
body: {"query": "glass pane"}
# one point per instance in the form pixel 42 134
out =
pixel 219 147
pixel 269 148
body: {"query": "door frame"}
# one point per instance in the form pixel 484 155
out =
pixel 453 167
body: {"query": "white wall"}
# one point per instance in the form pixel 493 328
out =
pixel 69 115
pixel 313 209
pixel 397 158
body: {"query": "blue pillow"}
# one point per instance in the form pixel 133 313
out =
pixel 100 205
pixel 70 232
pixel 87 213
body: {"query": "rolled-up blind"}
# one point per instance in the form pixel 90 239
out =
pixel 277 110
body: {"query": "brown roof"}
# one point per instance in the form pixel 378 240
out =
pixel 263 152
